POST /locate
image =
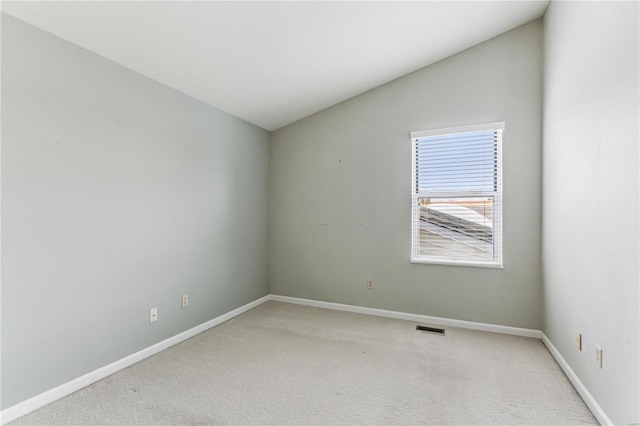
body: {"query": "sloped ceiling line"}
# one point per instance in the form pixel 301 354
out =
pixel 273 63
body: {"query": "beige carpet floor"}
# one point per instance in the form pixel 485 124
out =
pixel 287 364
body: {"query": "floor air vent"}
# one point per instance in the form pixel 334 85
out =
pixel 433 330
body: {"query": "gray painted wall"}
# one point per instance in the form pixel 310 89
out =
pixel 340 194
pixel 118 195
pixel 590 214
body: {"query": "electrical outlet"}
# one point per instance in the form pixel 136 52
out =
pixel 185 300
pixel 599 356
pixel 369 283
pixel 579 340
pixel 153 314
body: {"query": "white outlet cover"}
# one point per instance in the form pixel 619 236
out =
pixel 153 314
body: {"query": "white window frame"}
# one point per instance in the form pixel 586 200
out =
pixel 497 261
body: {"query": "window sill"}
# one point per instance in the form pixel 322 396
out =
pixel 445 262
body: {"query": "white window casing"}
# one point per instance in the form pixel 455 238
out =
pixel 456 196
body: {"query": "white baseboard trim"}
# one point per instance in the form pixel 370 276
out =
pixel 38 401
pixel 586 396
pixel 502 329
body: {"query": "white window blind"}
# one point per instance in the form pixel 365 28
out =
pixel 457 196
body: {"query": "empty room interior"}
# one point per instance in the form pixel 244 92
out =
pixel 320 212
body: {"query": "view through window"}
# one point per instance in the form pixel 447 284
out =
pixel 457 196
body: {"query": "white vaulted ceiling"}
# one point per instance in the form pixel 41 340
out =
pixel 272 63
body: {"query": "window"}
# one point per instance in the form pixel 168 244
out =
pixel 456 196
